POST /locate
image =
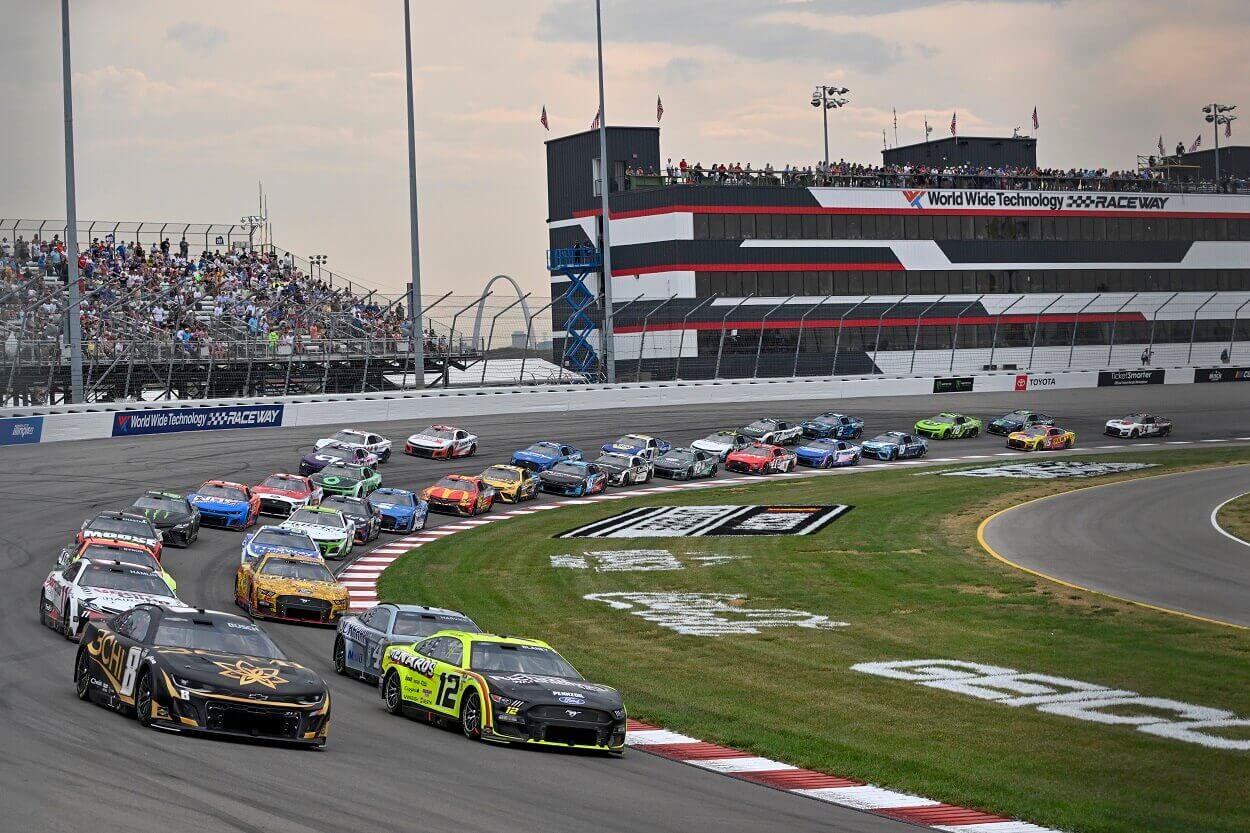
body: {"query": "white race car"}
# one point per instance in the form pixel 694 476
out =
pixel 441 442
pixel 367 440
pixel 722 443
pixel 625 469
pixel 773 432
pixel 331 532
pixel 1138 425
pixel 89 589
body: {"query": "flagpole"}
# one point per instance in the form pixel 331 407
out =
pixel 605 277
pixel 73 313
pixel 414 288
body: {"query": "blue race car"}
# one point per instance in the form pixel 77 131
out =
pixel 837 426
pixel 573 479
pixel 222 503
pixel 827 453
pixel 895 445
pixel 269 539
pixel 541 456
pixel 402 510
pixel 360 512
pixel 642 445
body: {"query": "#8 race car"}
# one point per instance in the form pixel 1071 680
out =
pixel 362 639
pixel 894 445
pixel 175 517
pixel 827 453
pixel 122 526
pixel 721 443
pixel 686 464
pixel 375 444
pixel 289 587
pixel 625 469
pixel 193 670
pixel 1138 425
pixel 573 479
pixel 441 442
pixel 773 432
pixel 640 444
pixel 837 426
pixel 359 512
pixel 761 458
pixel 346 479
pixel 107 550
pixel 1017 420
pixel 316 460
pixel 543 455
pixel 330 531
pixel 512 484
pixel 282 494
pixel 402 510
pixel 1041 438
pixel 946 426
pixel 459 494
pixel 275 539
pixel 502 689
pixel 222 503
pixel 87 590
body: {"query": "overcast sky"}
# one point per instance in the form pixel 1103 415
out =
pixel 180 108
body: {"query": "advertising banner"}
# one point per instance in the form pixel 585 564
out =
pixel 958 384
pixel 174 420
pixel 1222 374
pixel 1120 378
pixel 20 430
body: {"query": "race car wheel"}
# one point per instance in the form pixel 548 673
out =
pixel 386 456
pixel 472 450
pixel 471 716
pixel 1134 434
pixel 45 611
pixel 1067 443
pixel 715 468
pixel 392 694
pixel 67 630
pixel 82 676
pixel 143 700
pixel 340 656
pixel 974 432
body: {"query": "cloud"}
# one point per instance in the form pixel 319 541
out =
pixel 681 70
pixel 197 37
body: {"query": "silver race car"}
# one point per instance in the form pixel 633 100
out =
pixel 363 639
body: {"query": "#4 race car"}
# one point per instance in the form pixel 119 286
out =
pixel 346 479
pixel 1018 420
pixel 441 442
pixel 837 426
pixel 460 494
pixel 512 484
pixel 401 510
pixel 1041 438
pixel 947 426
pixel 502 689
pixel 894 445
pixel 722 443
pixel 642 445
pixel 375 444
pixel 543 455
pixel 773 432
pixel 122 526
pixel 625 469
pixel 222 503
pixel 175 517
pixel 112 551
pixel 827 453
pixel 193 670
pixel 1138 425
pixel 88 590
pixel 761 458
pixel 363 639
pixel 282 494
pixel 330 531
pixel 317 459
pixel 359 512
pixel 686 464
pixel 291 588
pixel 573 479
pixel 275 539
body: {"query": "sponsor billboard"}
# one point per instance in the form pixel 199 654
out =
pixel 1223 374
pixel 1120 378
pixel 701 521
pixel 1035 381
pixel 174 420
pixel 956 384
pixel 20 430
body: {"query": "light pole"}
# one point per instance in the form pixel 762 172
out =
pixel 71 221
pixel 414 287
pixel 315 262
pixel 1217 114
pixel 828 98
pixel 609 349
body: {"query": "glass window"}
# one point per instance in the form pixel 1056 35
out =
pixel 747 223
pixel 140 623
pixel 716 226
pixel 733 227
pixel 454 650
pixel 700 227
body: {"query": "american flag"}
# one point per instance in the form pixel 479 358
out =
pixel 1197 144
pixel 543 119
pixel 1036 123
pixel 954 124
pixel 1162 152
pixel 659 109
pixel 594 125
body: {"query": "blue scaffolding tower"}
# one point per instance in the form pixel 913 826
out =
pixel 577 263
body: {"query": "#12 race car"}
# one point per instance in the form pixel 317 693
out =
pixel 330 531
pixel 175 517
pixel 359 512
pixel 459 494
pixel 222 503
pixel 837 426
pixel 375 444
pixel 625 469
pixel 122 526
pixel 642 445
pixel 502 689
pixel 193 670
pixel 275 539
pixel 282 494
pixel 363 639
pixel 827 453
pixel 946 426
pixel 686 464
pixel 291 588
pixel 773 432
pixel 722 443
pixel 512 484
pixel 1018 420
pixel 107 550
pixel 401 510
pixel 1041 438
pixel 88 590
pixel 543 455
pixel 573 479
pixel 894 445
pixel 441 442
pixel 317 459
pixel 761 458
pixel 346 479
pixel 1138 425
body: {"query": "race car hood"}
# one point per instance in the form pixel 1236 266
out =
pixel 119 536
pixel 317 532
pixel 317 461
pixel 1026 435
pixel 613 466
pixel 1121 422
pixel 218 503
pixel 441 493
pixel 118 601
pixel 394 509
pixel 881 444
pixel 755 432
pixel 555 690
pixel 531 457
pixel 819 425
pixel 259 550
pixel 819 450
pixel 624 448
pixel 250 675
pixel 164 518
pixel 1010 424
pixel 292 494
pixel 300 587
pixel 560 477
pixel 428 442
pixel 708 445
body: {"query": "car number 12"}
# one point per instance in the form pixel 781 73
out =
pixel 448 686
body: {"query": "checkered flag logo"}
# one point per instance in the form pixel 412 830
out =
pixel 1080 201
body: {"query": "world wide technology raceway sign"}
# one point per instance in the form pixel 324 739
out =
pixel 174 420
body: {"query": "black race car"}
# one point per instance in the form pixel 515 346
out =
pixel 358 511
pixel 195 670
pixel 172 514
pixel 686 464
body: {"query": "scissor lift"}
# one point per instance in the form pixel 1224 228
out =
pixel 577 263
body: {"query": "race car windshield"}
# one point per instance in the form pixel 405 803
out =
pixel 408 623
pixel 354 510
pixel 437 434
pixel 941 420
pixel 1017 416
pixel 132 581
pixel 220 637
pixel 541 450
pixel 453 484
pixel 502 475
pixel 524 659
pixel 162 504
pixel 679 458
pixel 296 568
pixel 335 452
pixel 341 472
pixel 222 493
pixel 270 538
pixel 756 452
pixel 568 468
pixel 96 552
pixel 393 498
pixel 305 516
pixel 720 438
pixel 820 445
pixel 885 439
pixel 630 440
pixel 614 460
pixel 121 526
pixel 349 437
pixel 759 426
pixel 287 483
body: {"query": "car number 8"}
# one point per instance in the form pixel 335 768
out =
pixel 132 671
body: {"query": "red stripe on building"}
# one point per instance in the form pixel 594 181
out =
pixel 946 814
pixel 860 323
pixel 918 212
pixel 759 267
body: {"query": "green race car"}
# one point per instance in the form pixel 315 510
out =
pixel 502 689
pixel 949 427
pixel 347 479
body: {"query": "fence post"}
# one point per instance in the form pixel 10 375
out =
pixel 837 344
pixel 1232 336
pixel 759 348
pixel 529 329
pixel 1115 319
pixel 798 344
pixel 1037 324
pixel 1194 329
pixel 998 319
pixel 876 348
pixel 642 341
pixel 915 342
pixel 491 337
pixel 955 335
pixel 451 336
pixel 1154 319
pixel 681 343
pixel 721 347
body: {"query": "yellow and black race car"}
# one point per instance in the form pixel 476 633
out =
pixel 512 484
pixel 291 587
pixel 196 670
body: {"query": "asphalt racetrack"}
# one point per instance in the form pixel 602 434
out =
pixel 72 766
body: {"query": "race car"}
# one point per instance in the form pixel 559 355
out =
pixel 773 432
pixel 502 689
pixel 331 532
pixel 346 479
pixel 124 552
pixel 359 512
pixel 122 526
pixel 175 517
pixel 625 469
pixel 362 639
pixel 640 444
pixel 193 670
pixel 573 479
pixel 837 426
pixel 721 443
pixel 87 590
pixel 282 494
pixel 1018 420
pixel 894 445
pixel 402 510
pixel 761 458
pixel 946 426
pixel 1041 438
pixel 269 539
pixel 441 442
pixel 459 494
pixel 686 464
pixel 289 587
pixel 1138 425
pixel 375 444
pixel 512 484
pixel 827 453
pixel 543 455
pixel 222 503
pixel 317 459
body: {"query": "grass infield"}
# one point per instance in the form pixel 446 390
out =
pixel 1234 518
pixel 905 570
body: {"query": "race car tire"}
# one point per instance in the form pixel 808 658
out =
pixel 392 693
pixel 340 656
pixel 472 450
pixel 974 432
pixel 1134 434
pixel 67 630
pixel 1067 443
pixel 82 675
pixel 715 468
pixel 386 456
pixel 826 463
pixel 893 455
pixel 471 716
pixel 1165 431
pixel 143 699
pixel 45 610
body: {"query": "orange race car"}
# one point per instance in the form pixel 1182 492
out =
pixel 460 494
pixel 99 549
